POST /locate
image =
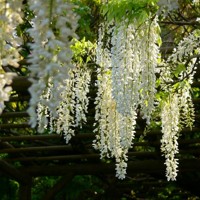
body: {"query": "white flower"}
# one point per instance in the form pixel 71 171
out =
pixel 167 5
pixel 10 17
pixel 170 128
pixel 121 169
pixel 5 80
pixel 51 55
pixel 195 1
pixel 126 80
pixel 73 107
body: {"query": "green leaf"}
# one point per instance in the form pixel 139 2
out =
pixel 119 9
pixel 180 68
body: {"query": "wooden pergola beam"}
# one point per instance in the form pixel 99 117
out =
pixel 21 84
pixel 93 169
pixel 14 173
pixel 78 136
pixel 30 137
pixel 24 180
pixel 10 126
pixel 80 157
pixel 14 114
pixel 137 166
pixel 41 148
pixel 95 156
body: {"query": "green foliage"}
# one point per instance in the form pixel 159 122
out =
pixel 41 185
pixel 84 187
pixel 83 51
pixel 88 10
pixel 171 191
pixel 119 9
pixel 22 32
pixel 8 189
pixel 81 187
pixel 180 68
pixel 196 92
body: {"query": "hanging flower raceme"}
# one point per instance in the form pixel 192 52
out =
pixel 74 105
pixel 170 129
pixel 181 66
pixel 125 71
pixel 10 17
pixel 53 28
pixel 186 56
pixel 178 71
pixel 5 89
pixel 165 6
pixel 72 109
pixel 149 53
pixel 115 132
pixel 126 81
pixel 134 56
pixel 110 124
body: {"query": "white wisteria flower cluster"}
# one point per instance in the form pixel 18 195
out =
pixel 126 82
pixel 53 29
pixel 196 1
pixel 167 5
pixel 72 109
pixel 186 53
pixel 170 128
pixel 10 17
pixel 74 105
pixel 60 87
pixel 5 89
pixel 115 132
pixel 183 62
pixel 182 66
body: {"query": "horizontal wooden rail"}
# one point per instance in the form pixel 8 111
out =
pixel 182 23
pixel 30 137
pixel 53 158
pixel 21 84
pixel 11 126
pixel 69 148
pixel 142 166
pixel 81 157
pixel 14 114
pixel 19 98
pixel 31 149
pixel 86 136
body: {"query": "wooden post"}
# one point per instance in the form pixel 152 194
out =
pixel 22 178
pixel 14 173
pixel 25 190
pixel 58 187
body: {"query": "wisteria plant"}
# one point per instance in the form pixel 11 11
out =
pixel 130 69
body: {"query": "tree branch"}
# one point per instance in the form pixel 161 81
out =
pixel 181 23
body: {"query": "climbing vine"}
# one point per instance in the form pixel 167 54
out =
pixel 133 79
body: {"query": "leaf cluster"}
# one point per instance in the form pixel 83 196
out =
pixel 130 9
pixel 83 51
pixel 88 10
